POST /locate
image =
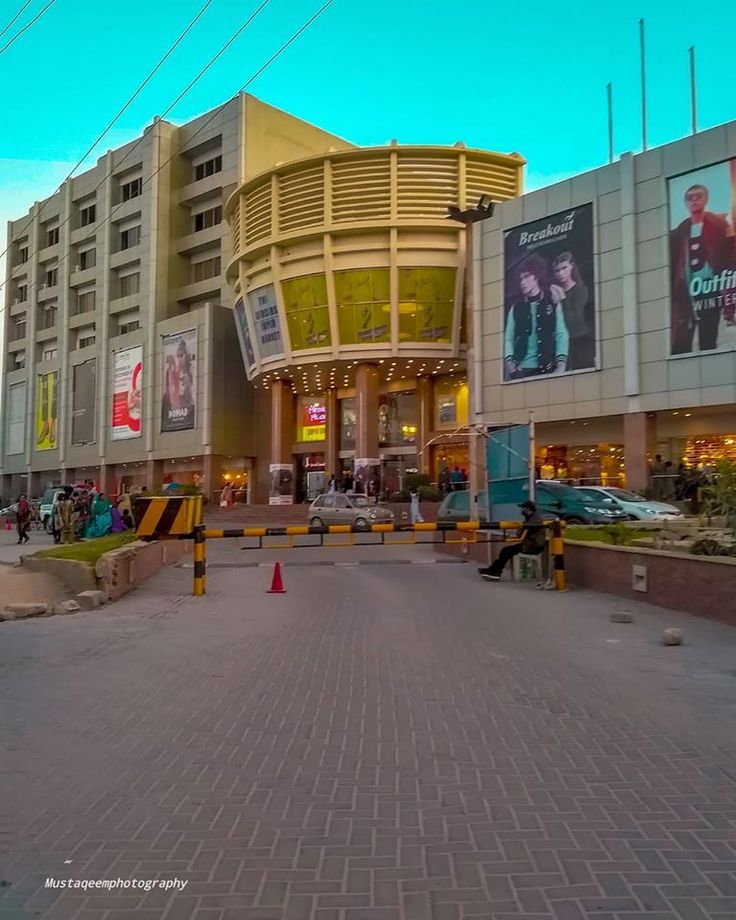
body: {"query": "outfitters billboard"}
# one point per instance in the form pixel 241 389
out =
pixel 47 403
pixel 127 393
pixel 178 403
pixel 702 208
pixel 549 296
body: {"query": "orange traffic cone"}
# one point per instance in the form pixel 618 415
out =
pixel 277 585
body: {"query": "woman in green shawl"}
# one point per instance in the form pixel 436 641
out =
pixel 100 522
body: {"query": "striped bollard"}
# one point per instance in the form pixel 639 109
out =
pixel 200 561
pixel 558 554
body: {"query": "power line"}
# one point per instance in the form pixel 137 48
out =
pixel 27 26
pixel 19 13
pixel 119 114
pixel 181 95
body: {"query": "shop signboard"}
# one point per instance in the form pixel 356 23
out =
pixel 244 336
pixel 266 321
pixel 84 389
pixel 702 222
pixel 179 384
pixel 282 484
pixel 127 393
pixel 549 296
pixel 314 421
pixel 47 404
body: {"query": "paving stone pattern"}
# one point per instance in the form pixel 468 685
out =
pixel 403 743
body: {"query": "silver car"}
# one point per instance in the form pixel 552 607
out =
pixel 339 508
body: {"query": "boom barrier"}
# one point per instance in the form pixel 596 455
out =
pixel 182 520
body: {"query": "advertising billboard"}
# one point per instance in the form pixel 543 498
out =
pixel 313 423
pixel 179 384
pixel 127 393
pixel 266 321
pixel 84 388
pixel 281 491
pixel 15 435
pixel 307 313
pixel 47 410
pixel 702 215
pixel 549 296
pixel 244 336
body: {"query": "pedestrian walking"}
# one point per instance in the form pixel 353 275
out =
pixel 531 542
pixel 23 519
pixel 414 513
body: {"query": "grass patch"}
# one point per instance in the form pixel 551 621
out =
pixel 90 550
pixel 613 534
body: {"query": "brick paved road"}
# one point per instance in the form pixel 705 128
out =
pixel 381 743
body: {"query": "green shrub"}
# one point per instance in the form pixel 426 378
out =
pixel 429 494
pixel 414 481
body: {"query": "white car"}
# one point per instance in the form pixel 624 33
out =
pixel 636 506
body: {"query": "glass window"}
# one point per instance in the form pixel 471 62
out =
pixel 397 419
pixel 312 419
pixel 87 259
pixel 341 502
pixel 130 237
pixel 451 402
pixel 329 501
pixel 348 420
pixel 88 215
pixel 52 236
pixel 131 189
pixel 319 502
pixel 363 306
pixel 305 302
pixel 426 301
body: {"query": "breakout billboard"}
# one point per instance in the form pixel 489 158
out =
pixel 127 398
pixel 549 296
pixel 178 402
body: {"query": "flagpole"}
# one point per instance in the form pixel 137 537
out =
pixel 609 94
pixel 693 92
pixel 643 85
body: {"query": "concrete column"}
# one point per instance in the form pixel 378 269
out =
pixel 425 403
pixel 282 422
pixel 107 480
pixel 640 441
pixel 332 443
pixel 212 475
pixel 154 473
pixel 366 392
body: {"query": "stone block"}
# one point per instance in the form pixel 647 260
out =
pixel 66 607
pixel 673 637
pixel 23 611
pixel 89 600
pixel 621 616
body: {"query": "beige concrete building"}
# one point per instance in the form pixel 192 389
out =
pixel 121 361
pixel 638 357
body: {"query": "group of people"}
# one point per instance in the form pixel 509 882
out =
pixel 681 484
pixel 551 328
pixel 455 480
pixel 83 514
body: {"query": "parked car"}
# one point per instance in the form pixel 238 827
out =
pixel 339 508
pixel 554 500
pixel 636 506
pixel 48 500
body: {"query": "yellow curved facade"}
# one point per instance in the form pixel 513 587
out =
pixel 349 257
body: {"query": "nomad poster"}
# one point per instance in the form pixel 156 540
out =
pixel 178 403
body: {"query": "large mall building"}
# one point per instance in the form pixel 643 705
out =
pixel 247 299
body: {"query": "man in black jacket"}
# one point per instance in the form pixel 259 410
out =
pixel 531 542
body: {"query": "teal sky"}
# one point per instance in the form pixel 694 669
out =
pixel 526 77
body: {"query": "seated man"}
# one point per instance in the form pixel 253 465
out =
pixel 531 542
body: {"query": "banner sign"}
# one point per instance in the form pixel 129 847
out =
pixel 47 405
pixel 127 393
pixel 84 389
pixel 244 337
pixel 549 296
pixel 265 315
pixel 16 430
pixel 282 484
pixel 178 402
pixel 702 208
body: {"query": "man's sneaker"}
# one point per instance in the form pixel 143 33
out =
pixel 487 577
